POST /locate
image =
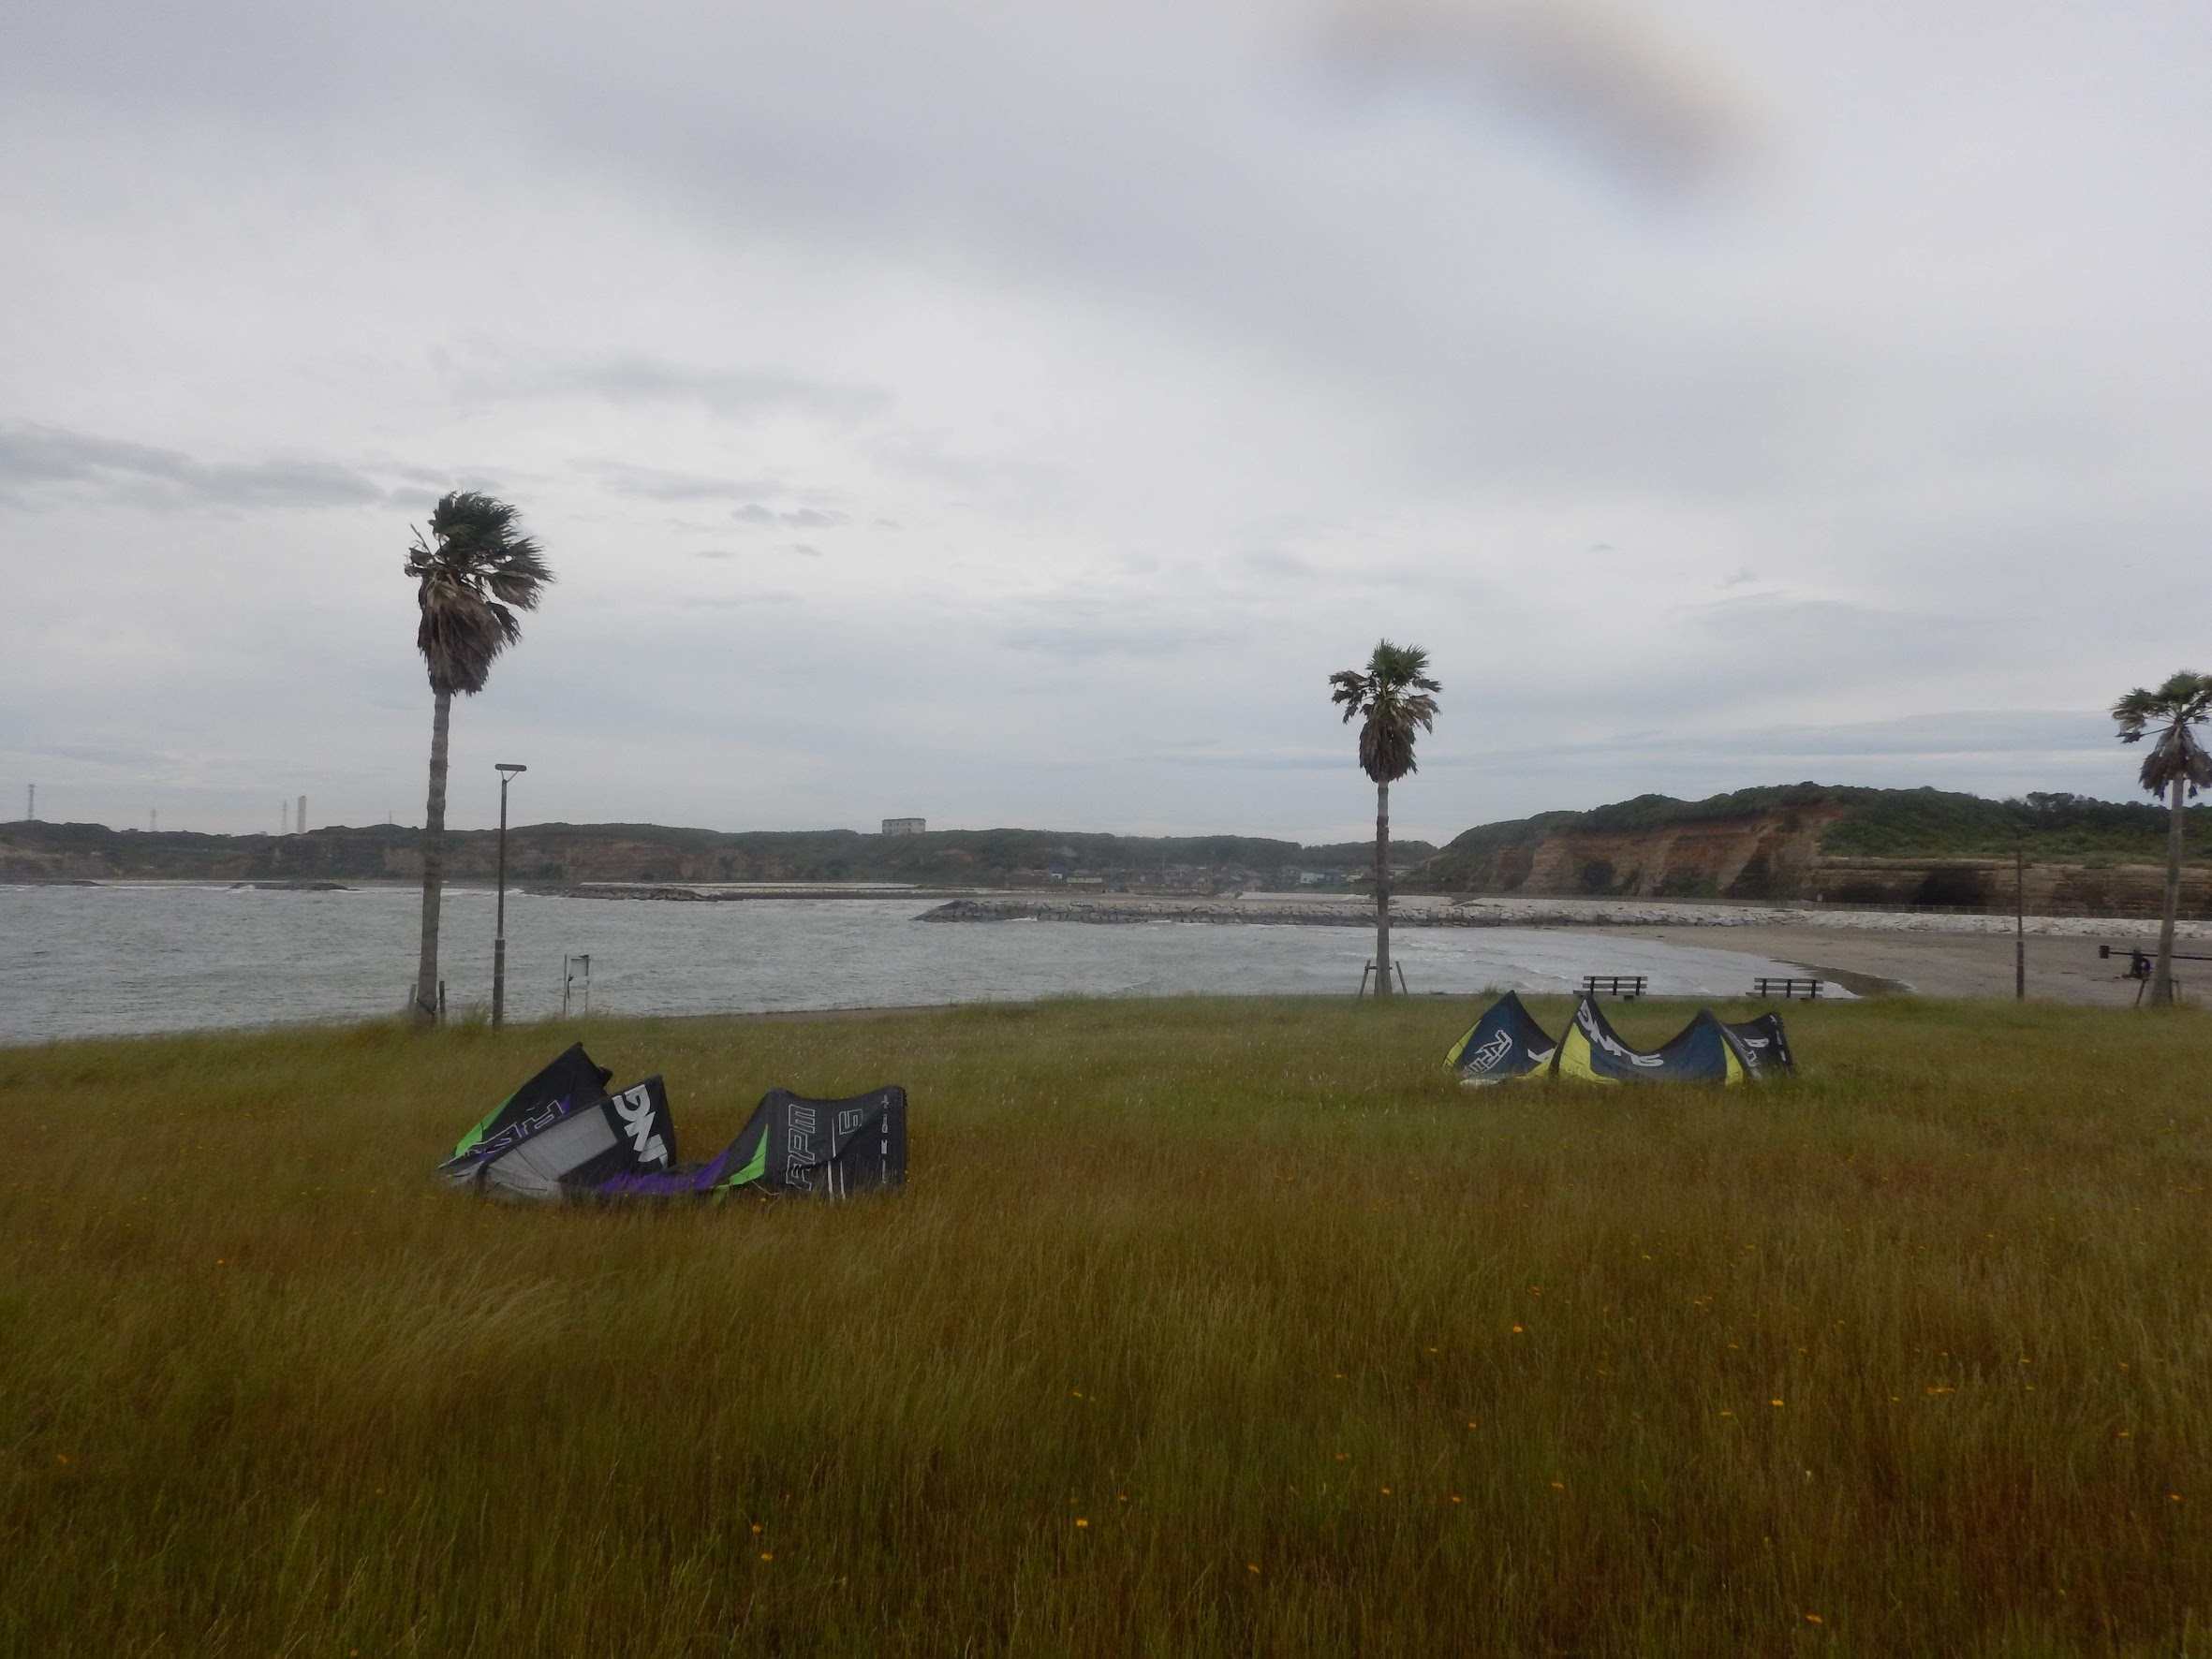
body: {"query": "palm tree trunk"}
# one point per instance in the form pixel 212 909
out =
pixel 2161 984
pixel 434 864
pixel 1382 985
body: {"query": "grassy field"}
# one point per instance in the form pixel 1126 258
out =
pixel 1204 1326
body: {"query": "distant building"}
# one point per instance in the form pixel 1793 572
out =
pixel 904 826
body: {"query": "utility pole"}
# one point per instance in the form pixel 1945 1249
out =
pixel 2020 923
pixel 507 770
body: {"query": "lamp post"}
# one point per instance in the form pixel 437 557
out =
pixel 507 770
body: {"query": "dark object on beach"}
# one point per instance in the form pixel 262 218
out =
pixel 562 1136
pixel 828 1148
pixel 562 1133
pixel 1789 990
pixel 1507 1046
pixel 1628 987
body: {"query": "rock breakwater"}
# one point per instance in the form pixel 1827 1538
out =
pixel 1425 911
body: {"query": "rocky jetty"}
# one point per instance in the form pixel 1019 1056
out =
pixel 1430 911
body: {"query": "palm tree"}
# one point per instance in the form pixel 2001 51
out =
pixel 475 564
pixel 2177 765
pixel 1392 695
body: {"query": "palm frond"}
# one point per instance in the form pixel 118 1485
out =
pixel 2166 716
pixel 2175 757
pixel 1396 696
pixel 473 567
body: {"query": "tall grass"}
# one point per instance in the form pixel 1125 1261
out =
pixel 1202 1327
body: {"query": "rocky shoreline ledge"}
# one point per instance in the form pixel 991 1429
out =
pixel 712 895
pixel 1431 911
pixel 1228 914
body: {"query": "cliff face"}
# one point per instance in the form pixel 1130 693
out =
pixel 1764 854
pixel 1782 853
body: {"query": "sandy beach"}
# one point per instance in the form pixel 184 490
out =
pixel 2060 967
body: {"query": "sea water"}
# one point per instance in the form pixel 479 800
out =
pixel 148 957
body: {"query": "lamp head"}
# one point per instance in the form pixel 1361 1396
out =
pixel 509 767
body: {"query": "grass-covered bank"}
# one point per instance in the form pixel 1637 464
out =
pixel 1225 1326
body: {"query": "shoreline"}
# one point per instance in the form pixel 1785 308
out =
pixel 1426 910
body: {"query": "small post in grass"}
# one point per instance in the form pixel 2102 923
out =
pixel 2020 924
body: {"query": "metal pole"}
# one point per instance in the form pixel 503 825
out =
pixel 2020 924
pixel 499 927
pixel 507 770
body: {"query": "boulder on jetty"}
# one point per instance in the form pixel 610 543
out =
pixel 1145 910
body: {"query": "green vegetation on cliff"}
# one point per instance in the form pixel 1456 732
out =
pixel 1913 823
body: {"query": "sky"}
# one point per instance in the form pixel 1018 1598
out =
pixel 1011 413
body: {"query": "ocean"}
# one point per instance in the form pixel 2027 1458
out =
pixel 153 957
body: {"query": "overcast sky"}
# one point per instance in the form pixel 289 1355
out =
pixel 1011 413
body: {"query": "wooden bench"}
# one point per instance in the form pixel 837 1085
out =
pixel 1626 985
pixel 1788 989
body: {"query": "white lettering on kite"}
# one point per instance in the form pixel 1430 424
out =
pixel 635 1106
pixel 1610 1044
pixel 1490 1053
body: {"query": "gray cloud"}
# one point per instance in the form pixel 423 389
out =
pixel 655 484
pixel 803 517
pixel 45 462
pixel 1638 98
pixel 733 394
pixel 737 601
pixel 1084 641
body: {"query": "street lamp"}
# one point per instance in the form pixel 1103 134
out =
pixel 507 770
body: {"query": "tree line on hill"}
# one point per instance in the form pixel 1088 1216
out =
pixel 1874 823
pixel 540 853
